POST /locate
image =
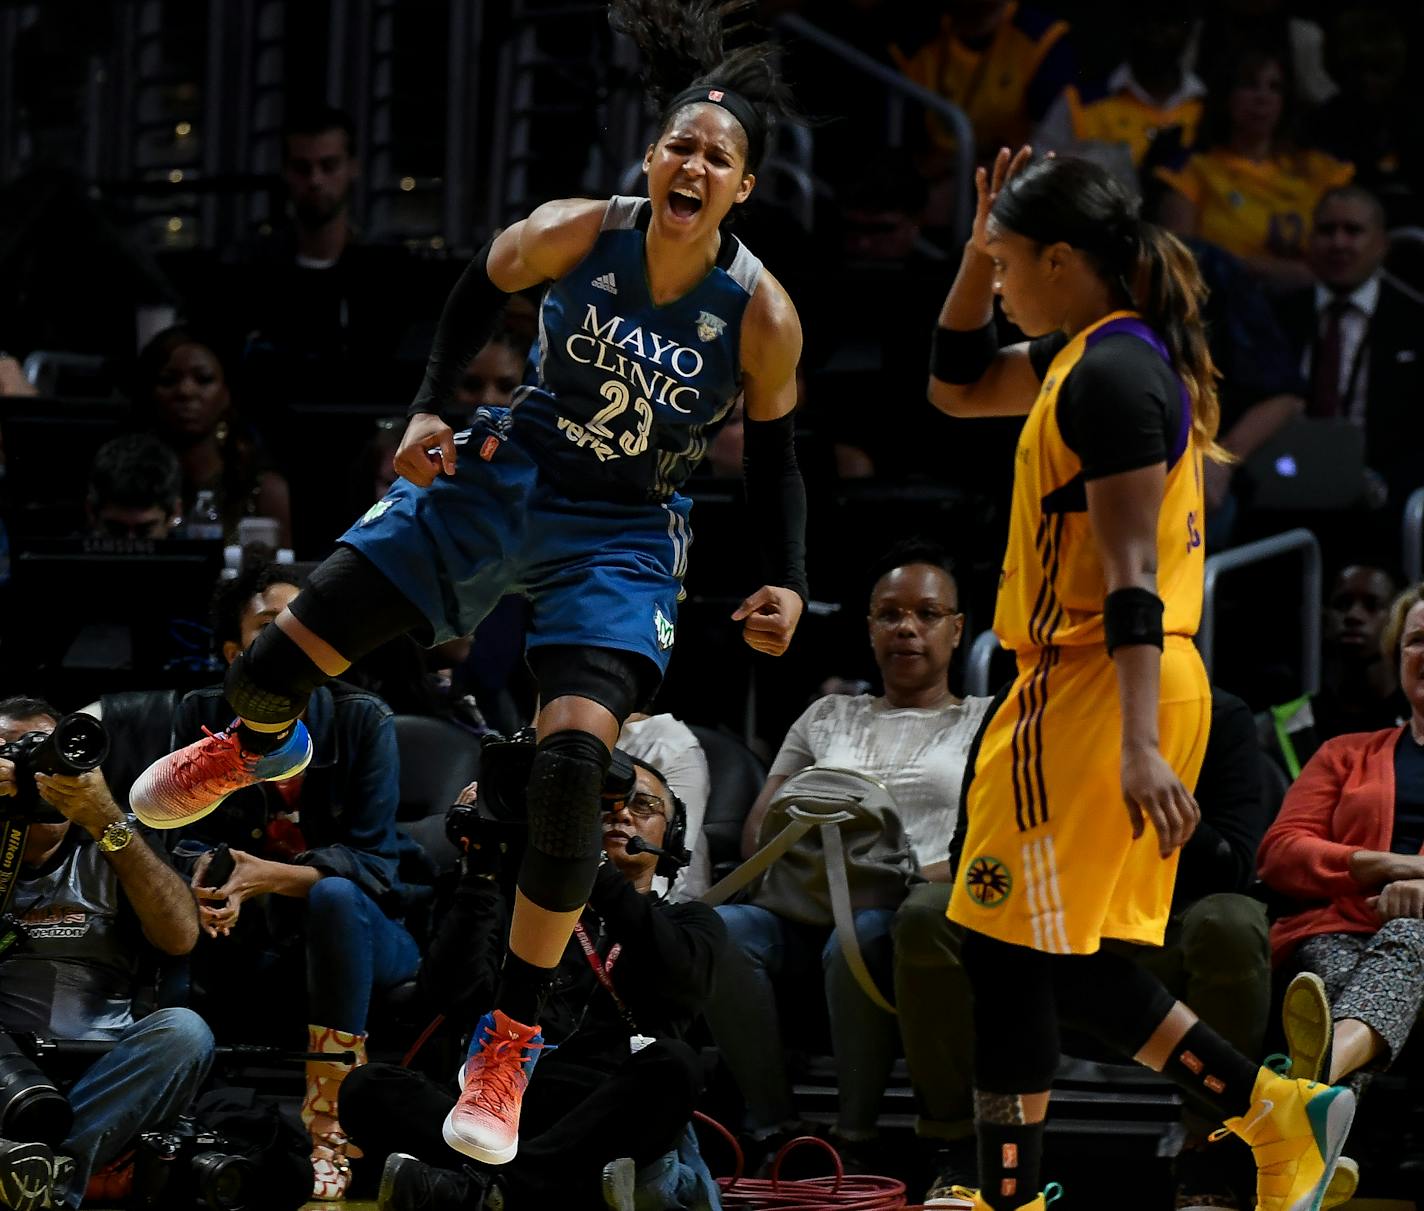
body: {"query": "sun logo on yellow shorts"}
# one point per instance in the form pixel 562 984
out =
pixel 988 881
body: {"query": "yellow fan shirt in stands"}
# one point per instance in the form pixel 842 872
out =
pixel 989 85
pixel 1256 208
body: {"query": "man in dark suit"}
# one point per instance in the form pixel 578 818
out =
pixel 1359 334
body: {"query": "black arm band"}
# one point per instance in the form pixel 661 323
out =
pixel 1132 616
pixel 776 496
pixel 469 318
pixel 962 358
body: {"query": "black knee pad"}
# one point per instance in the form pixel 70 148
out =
pixel 272 680
pixel 565 820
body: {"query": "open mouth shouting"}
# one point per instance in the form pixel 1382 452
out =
pixel 684 204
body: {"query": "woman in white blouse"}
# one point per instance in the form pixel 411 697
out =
pixel 915 738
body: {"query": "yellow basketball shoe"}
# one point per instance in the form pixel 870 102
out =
pixel 1305 1014
pixel 1343 1184
pixel 969 1200
pixel 1296 1130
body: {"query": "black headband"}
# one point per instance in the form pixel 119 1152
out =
pixel 735 104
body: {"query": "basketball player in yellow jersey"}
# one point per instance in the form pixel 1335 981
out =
pixel 1103 731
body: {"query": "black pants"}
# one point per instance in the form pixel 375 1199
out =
pixel 576 1118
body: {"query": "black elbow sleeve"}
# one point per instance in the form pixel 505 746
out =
pixel 466 323
pixel 776 496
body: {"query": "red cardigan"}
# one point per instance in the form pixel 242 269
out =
pixel 1342 802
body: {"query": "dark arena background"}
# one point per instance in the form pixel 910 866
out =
pixel 227 232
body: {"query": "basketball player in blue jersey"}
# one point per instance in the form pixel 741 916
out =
pixel 654 321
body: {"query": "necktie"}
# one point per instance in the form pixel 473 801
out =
pixel 1326 400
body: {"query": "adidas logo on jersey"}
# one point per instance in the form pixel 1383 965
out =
pixel 606 281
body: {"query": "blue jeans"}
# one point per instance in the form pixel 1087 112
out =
pixel 766 950
pixel 143 1084
pixel 352 948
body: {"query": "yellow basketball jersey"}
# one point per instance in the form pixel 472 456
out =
pixel 990 85
pixel 1052 586
pixel 1253 208
pixel 1123 117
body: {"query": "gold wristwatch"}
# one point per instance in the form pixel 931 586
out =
pixel 115 837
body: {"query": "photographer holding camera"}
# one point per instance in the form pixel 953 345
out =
pixel 90 902
pixel 621 1083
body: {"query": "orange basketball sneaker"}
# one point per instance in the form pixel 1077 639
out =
pixel 484 1124
pixel 185 786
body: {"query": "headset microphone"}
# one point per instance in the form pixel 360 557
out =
pixel 636 845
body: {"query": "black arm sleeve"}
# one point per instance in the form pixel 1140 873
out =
pixel 1120 407
pixel 669 950
pixel 465 325
pixel 1221 856
pixel 776 496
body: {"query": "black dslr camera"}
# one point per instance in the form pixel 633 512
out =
pixel 189 1167
pixel 494 827
pixel 78 744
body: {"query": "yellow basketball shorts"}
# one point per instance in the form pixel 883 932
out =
pixel 1049 860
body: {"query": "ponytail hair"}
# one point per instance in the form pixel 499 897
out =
pixel 1166 288
pixel 683 46
pixel 1075 202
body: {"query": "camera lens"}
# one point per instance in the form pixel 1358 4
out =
pixel 31 1108
pixel 222 1180
pixel 78 744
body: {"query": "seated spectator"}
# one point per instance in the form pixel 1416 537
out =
pixel 135 489
pixel 1356 334
pixel 1346 845
pixel 493 374
pixel 315 876
pixel 1114 121
pixel 181 394
pixel 1214 958
pixel 98 904
pixel 1229 27
pixel 618 1081
pixel 1003 63
pixel 670 746
pixel 915 739
pixel 1371 122
pixel 1359 684
pixel 329 315
pixel 1246 186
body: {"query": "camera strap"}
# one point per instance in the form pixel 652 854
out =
pixel 12 850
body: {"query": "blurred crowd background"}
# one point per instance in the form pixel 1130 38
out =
pixel 227 228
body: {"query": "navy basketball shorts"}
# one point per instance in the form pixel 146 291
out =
pixel 598 573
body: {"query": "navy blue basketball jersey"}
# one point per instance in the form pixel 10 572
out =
pixel 627 393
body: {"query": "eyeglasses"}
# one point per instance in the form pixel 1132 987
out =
pixel 889 618
pixel 642 805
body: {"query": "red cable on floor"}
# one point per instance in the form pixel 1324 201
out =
pixel 843 1192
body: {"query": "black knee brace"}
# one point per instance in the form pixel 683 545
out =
pixel 565 820
pixel 272 680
